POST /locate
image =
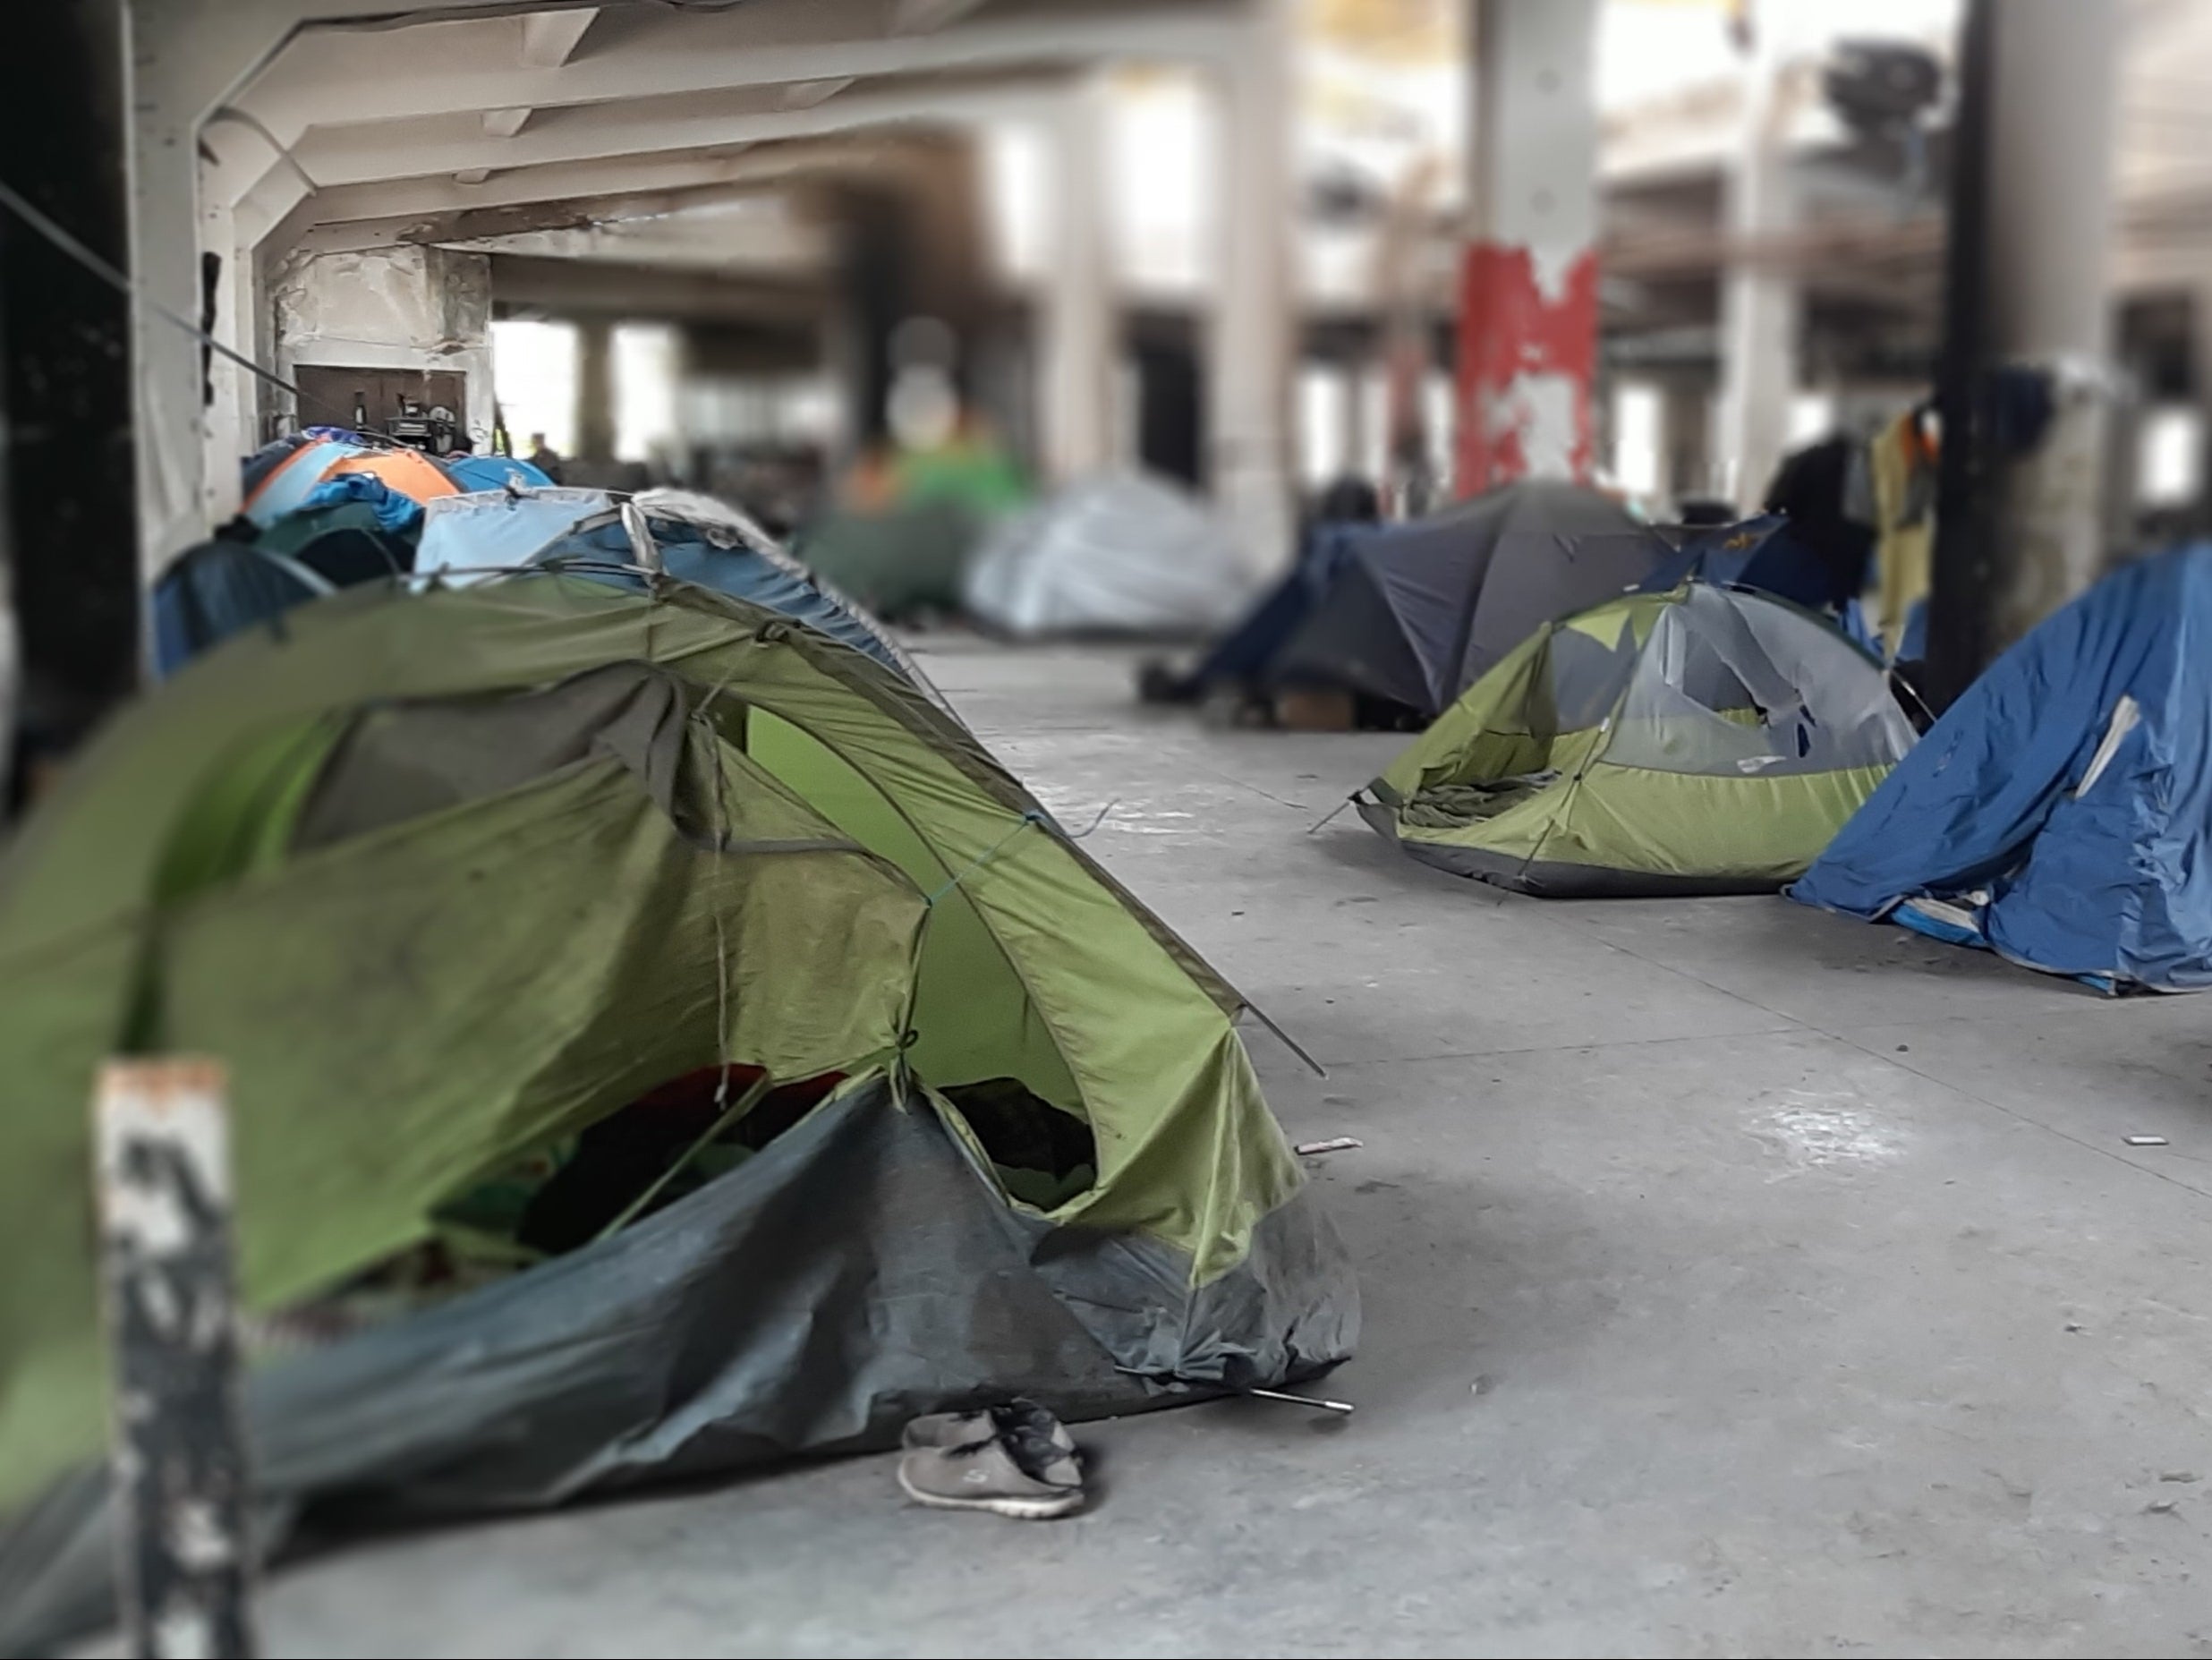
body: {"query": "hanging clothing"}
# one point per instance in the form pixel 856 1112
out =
pixel 1901 461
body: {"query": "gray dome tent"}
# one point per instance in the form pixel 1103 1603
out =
pixel 1124 553
pixel 1414 614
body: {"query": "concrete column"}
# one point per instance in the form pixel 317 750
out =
pixel 1354 439
pixel 595 389
pixel 66 441
pixel 1250 414
pixel 1759 307
pixel 2054 95
pixel 1685 419
pixel 1528 289
pixel 185 57
pixel 2200 379
pixel 232 395
pixel 1075 350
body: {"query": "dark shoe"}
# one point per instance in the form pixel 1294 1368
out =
pixel 1024 1421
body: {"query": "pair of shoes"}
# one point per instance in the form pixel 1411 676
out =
pixel 1015 1459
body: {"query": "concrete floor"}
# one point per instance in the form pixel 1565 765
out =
pixel 1739 1279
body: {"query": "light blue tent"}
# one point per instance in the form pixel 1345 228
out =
pixel 2059 813
pixel 623 541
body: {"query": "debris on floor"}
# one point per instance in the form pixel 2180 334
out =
pixel 2147 1141
pixel 1334 1144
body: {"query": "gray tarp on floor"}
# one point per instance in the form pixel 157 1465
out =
pixel 856 1272
pixel 1120 554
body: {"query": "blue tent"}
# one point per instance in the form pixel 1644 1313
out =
pixel 584 531
pixel 1765 553
pixel 477 472
pixel 2059 813
pixel 220 588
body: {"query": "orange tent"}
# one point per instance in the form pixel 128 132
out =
pixel 409 471
pixel 284 487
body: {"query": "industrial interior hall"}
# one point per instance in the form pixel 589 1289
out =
pixel 1033 826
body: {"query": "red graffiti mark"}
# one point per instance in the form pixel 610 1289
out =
pixel 1513 341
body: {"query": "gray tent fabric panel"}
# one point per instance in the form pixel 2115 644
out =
pixel 1585 678
pixel 1261 1321
pixel 1430 576
pixel 1354 639
pixel 399 762
pixel 1404 617
pixel 856 1272
pixel 1536 577
pixel 1823 706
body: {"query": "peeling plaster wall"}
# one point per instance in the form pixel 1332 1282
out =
pixel 408 307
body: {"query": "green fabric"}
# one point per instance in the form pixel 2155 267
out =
pixel 404 1010
pixel 1496 773
pixel 973 1017
pixel 980 478
pixel 1760 830
pixel 296 530
pixel 907 559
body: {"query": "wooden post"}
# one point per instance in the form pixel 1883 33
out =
pixel 161 1137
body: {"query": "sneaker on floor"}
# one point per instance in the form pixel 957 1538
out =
pixel 983 1475
pixel 1019 1418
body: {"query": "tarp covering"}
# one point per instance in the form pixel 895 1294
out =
pixel 1124 553
pixel 614 838
pixel 2061 811
pixel 1704 741
pixel 1416 613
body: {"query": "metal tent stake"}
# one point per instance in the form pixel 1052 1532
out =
pixel 161 1140
pixel 1315 1402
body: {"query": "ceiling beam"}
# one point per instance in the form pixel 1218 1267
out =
pixel 577 287
pixel 328 79
pixel 335 157
pixel 379 214
pixel 917 17
pixel 550 39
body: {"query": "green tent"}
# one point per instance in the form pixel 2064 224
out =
pixel 1707 740
pixel 899 562
pixel 469 885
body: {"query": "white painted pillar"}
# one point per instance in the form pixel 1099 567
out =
pixel 1354 432
pixel 2053 100
pixel 1759 307
pixel 1249 413
pixel 1076 316
pixel 1528 293
pixel 187 56
pixel 230 426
